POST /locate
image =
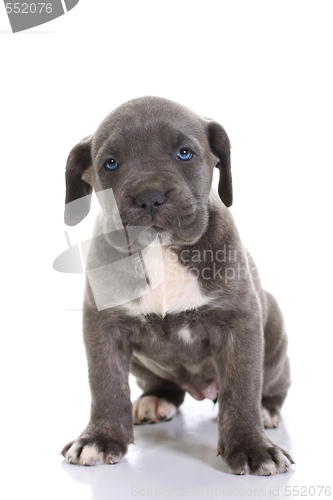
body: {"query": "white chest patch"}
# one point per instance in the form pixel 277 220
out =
pixel 172 288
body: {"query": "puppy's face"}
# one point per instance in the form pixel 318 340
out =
pixel 158 158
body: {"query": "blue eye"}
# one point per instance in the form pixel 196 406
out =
pixel 111 164
pixel 184 154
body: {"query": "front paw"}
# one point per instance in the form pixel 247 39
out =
pixel 260 457
pixel 94 449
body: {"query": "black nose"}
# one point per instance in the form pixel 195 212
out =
pixel 150 201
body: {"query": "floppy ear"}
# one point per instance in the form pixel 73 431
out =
pixel 79 160
pixel 220 147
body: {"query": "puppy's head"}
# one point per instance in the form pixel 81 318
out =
pixel 158 158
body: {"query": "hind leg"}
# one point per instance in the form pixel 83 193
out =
pixel 276 365
pixel 270 410
pixel 160 399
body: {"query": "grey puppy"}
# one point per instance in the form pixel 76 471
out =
pixel 208 327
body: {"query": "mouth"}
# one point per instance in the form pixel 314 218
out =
pixel 157 228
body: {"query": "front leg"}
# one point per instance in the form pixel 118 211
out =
pixel 110 429
pixel 242 441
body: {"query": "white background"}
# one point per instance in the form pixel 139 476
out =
pixel 263 69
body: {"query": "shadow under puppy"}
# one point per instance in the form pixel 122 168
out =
pixel 171 294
